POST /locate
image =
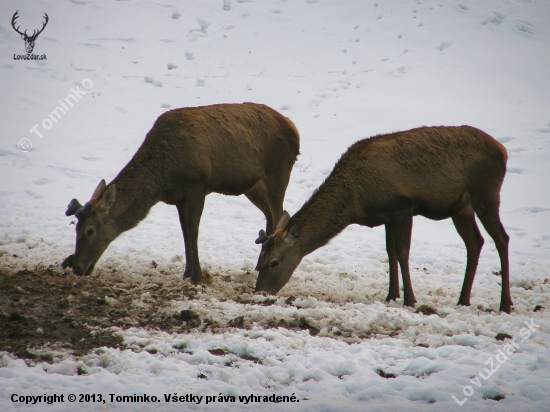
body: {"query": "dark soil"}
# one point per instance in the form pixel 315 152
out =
pixel 51 309
pixel 49 312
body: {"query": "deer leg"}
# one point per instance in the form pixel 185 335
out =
pixel 270 201
pixel 393 292
pixel 258 197
pixel 190 211
pixel 276 196
pixel 465 224
pixel 490 219
pixel 275 185
pixel 402 223
pixel 182 213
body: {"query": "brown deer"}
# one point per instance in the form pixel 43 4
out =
pixel 232 149
pixel 436 172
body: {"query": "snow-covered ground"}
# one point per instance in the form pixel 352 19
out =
pixel 342 71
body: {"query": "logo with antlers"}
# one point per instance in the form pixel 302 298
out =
pixel 29 40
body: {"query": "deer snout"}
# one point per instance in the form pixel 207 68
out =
pixel 83 270
pixel 265 285
pixel 77 270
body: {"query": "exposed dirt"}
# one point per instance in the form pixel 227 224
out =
pixel 51 309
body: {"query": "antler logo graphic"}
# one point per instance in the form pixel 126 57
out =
pixel 29 40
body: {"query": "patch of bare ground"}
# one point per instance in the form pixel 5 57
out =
pixel 49 312
pixel 51 309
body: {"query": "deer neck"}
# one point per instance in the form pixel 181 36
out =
pixel 323 216
pixel 137 191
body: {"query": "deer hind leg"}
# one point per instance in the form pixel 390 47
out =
pixel 276 185
pixel 269 199
pixel 190 211
pixel 488 213
pixel 402 222
pixel 393 292
pixel 466 226
pixel 258 196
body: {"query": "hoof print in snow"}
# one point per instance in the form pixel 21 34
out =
pixel 304 324
pixel 385 375
pixel 502 336
pixel 495 397
pixel 426 310
pixel 218 352
pixel 150 80
pixel 443 46
pixel 290 300
pixel 251 358
pixel 237 322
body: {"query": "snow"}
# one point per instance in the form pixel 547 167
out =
pixel 341 71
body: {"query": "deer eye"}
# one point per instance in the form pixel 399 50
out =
pixel 90 231
pixel 274 263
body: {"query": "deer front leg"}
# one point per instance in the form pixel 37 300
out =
pixel 183 215
pixel 190 211
pixel 402 223
pixel 393 292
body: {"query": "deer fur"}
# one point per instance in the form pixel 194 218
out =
pixel 436 172
pixel 232 149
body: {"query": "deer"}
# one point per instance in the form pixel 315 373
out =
pixel 190 152
pixel 29 40
pixel 436 172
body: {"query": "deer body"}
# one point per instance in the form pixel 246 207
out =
pixel 232 149
pixel 436 172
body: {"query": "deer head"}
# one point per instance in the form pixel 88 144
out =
pixel 95 229
pixel 29 40
pixel 279 256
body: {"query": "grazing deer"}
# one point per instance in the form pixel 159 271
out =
pixel 436 172
pixel 29 40
pixel 232 149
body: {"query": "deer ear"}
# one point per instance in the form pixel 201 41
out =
pixel 285 217
pixel 99 190
pixel 294 230
pixel 108 199
pixel 292 234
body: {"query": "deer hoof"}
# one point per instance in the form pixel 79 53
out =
pixel 409 302
pixel 463 302
pixel 506 306
pixel 392 296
